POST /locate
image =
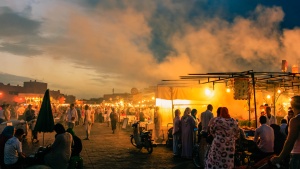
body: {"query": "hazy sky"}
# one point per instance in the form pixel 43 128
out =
pixel 88 47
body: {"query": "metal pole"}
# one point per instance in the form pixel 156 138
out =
pixel 254 97
pixel 173 115
pixel 274 97
pixel 249 108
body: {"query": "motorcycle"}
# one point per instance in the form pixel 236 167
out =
pixel 142 139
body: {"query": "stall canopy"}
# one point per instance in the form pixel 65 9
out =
pixel 245 85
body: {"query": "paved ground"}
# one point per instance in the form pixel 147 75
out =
pixel 106 150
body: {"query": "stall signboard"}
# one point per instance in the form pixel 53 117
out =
pixel 241 88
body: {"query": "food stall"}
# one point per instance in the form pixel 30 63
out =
pixel 241 92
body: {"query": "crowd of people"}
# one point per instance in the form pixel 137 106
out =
pixel 66 143
pixel 219 137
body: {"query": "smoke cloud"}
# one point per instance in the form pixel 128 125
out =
pixel 125 44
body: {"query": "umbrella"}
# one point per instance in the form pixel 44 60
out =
pixel 45 121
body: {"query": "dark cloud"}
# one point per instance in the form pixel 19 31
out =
pixel 13 24
pixel 20 34
pixel 21 49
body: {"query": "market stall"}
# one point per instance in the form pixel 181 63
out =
pixel 249 90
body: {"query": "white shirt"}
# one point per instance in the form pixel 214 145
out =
pixel 266 135
pixel 70 114
pixel 11 149
pixel 271 120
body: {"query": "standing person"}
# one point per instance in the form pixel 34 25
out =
pixel 60 150
pixel 187 130
pixel 114 119
pixel 279 139
pixel 194 115
pixel 6 112
pixel 270 118
pixel 225 131
pixel 108 116
pixel 72 116
pixel 205 118
pixel 2 117
pixel 13 154
pixel 76 145
pixel 101 119
pixel 289 116
pixel 92 115
pixel 292 143
pixel 30 118
pixel 20 112
pixel 157 123
pixel 176 132
pixel 78 115
pixel 82 115
pixel 87 121
pixel 283 126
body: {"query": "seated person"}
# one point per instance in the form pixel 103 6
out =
pixel 279 139
pixel 283 127
pixel 60 151
pixel 7 133
pixel 266 143
pixel 13 155
pixel 240 142
pixel 76 145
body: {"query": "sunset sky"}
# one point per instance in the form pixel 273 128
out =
pixel 88 47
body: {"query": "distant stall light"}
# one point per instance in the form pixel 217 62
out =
pixel 268 96
pixel 228 90
pixel 209 92
pixel 278 91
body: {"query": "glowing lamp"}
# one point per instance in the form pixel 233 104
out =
pixel 209 92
